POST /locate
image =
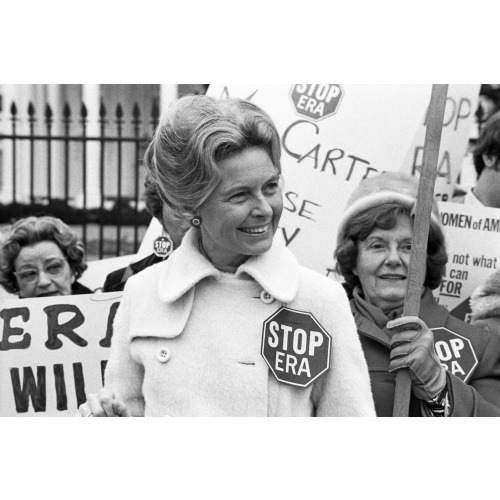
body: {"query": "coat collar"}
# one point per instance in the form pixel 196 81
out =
pixel 485 301
pixel 430 311
pixel 276 270
pixel 368 328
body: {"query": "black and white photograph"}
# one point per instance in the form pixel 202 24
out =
pixel 235 250
pixel 232 249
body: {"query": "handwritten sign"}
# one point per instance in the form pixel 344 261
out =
pixel 333 136
pixel 473 243
pixel 461 104
pixel 53 351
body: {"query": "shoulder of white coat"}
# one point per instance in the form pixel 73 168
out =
pixel 147 279
pixel 314 283
pixel 320 294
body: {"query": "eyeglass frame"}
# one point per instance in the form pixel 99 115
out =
pixel 37 272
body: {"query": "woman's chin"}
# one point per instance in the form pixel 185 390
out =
pixel 389 301
pixel 260 247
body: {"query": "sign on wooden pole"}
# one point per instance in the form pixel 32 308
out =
pixel 422 217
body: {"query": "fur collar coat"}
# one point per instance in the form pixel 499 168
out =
pixel 485 304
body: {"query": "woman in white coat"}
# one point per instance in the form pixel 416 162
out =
pixel 231 324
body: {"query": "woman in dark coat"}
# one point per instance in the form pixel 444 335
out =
pixel 454 367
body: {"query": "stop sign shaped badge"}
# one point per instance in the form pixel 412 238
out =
pixel 316 101
pixel 455 353
pixel 295 346
pixel 163 246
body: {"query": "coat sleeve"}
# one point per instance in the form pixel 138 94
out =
pixel 344 391
pixel 124 375
pixel 480 397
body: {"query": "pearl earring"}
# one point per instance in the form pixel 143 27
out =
pixel 196 221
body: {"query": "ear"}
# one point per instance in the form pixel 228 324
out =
pixel 489 160
pixel 355 272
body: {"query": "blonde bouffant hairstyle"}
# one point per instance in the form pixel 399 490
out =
pixel 195 134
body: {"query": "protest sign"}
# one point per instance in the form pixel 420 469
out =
pixel 455 353
pixel 473 243
pixel 459 118
pixel 332 136
pixel 53 352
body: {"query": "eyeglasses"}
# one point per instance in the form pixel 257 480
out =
pixel 31 276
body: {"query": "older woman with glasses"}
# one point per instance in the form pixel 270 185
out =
pixel 42 257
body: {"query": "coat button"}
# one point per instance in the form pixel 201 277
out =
pixel 163 355
pixel 266 297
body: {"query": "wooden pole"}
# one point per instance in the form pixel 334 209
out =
pixel 422 217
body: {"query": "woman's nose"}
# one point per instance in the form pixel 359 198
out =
pixel 262 208
pixel 393 257
pixel 43 279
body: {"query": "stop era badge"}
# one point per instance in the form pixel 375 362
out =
pixel 316 101
pixel 455 353
pixel 163 246
pixel 295 346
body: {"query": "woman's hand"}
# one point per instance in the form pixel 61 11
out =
pixel 103 404
pixel 412 347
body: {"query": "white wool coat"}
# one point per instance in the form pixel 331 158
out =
pixel 187 340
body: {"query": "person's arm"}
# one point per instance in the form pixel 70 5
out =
pixel 112 279
pixel 480 397
pixel 412 347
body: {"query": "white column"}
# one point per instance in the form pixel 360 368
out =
pixel 21 95
pixel 8 94
pixel 91 97
pixel 56 103
pixel 169 92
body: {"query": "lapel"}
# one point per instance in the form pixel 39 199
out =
pixel 276 271
pixel 431 312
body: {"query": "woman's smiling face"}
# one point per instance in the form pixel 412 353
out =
pixel 382 264
pixel 241 216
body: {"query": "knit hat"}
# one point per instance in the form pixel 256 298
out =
pixel 388 187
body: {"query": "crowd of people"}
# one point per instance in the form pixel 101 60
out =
pixel 188 332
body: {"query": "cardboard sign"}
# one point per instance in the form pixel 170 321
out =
pixel 455 353
pixel 472 236
pixel 163 246
pixel 295 346
pixel 332 137
pixel 461 104
pixel 53 352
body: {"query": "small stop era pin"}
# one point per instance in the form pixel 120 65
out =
pixel 163 246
